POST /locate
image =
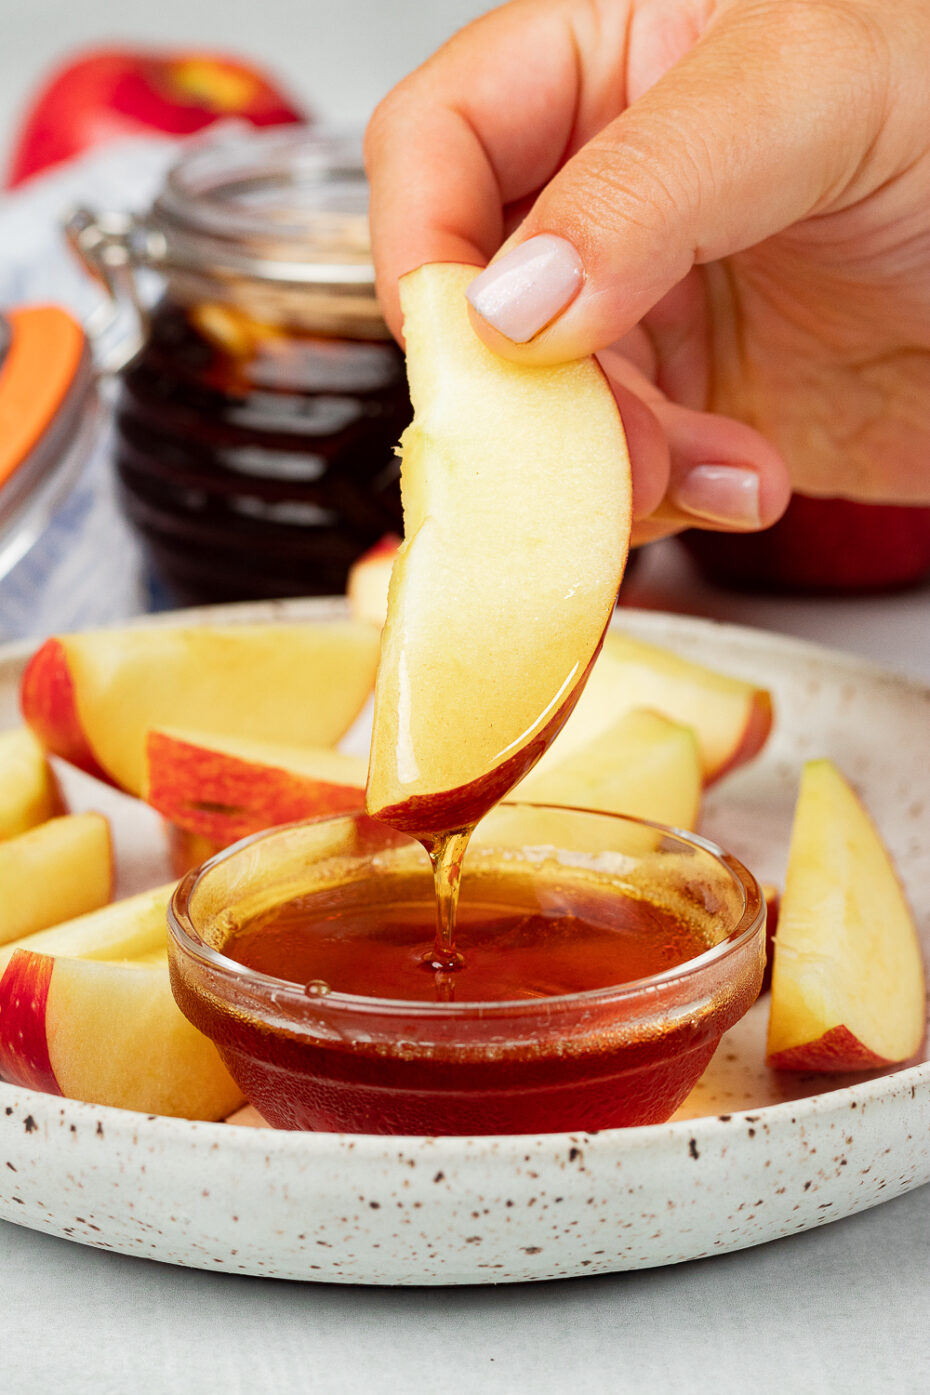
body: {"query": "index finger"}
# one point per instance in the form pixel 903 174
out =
pixel 481 125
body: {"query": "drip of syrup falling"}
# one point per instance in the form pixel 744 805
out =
pixel 446 853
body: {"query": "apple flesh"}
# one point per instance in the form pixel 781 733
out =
pixel 644 765
pixel 90 698
pixel 731 717
pixel 223 789
pixel 369 580
pixel 516 490
pixel 127 929
pixel 848 988
pixel 108 1034
pixel 29 792
pixel 55 871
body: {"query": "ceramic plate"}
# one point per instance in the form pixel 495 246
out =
pixel 750 1157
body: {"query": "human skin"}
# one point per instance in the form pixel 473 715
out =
pixel 735 198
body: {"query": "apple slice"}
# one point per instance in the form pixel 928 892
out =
pixel 108 1034
pixel 225 789
pixel 124 929
pixel 731 717
pixel 57 870
pixel 29 792
pixel 91 697
pixel 644 765
pixel 516 491
pixel 848 983
pixel 369 580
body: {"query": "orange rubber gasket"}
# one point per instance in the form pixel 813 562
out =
pixel 46 350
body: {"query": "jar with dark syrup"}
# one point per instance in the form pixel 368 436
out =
pixel 256 424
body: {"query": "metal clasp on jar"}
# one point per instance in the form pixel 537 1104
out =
pixel 113 247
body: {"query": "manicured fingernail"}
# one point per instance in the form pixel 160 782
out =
pixel 720 494
pixel 521 292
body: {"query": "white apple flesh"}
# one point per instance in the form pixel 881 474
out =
pixel 517 506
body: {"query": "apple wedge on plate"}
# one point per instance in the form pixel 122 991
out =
pixel 57 870
pixel 108 1034
pixel 91 697
pixel 644 766
pixel 848 990
pixel 29 792
pixel 86 1011
pixel 224 789
pixel 516 493
pixel 731 717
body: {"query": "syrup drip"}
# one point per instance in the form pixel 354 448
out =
pixel 446 854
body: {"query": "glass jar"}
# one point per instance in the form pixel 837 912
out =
pixel 256 423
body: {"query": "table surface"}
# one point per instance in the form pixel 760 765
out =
pixel 839 1309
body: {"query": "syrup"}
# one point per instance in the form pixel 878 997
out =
pixel 506 949
pixel 493 1047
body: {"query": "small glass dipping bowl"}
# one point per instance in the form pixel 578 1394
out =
pixel 596 1059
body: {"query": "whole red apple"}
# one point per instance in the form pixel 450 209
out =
pixel 821 545
pixel 108 93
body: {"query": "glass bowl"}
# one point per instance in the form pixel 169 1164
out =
pixel 310 1057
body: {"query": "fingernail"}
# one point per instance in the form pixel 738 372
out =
pixel 720 494
pixel 521 292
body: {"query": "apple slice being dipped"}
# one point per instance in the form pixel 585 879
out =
pixel 516 492
pixel 848 982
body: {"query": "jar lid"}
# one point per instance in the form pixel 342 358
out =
pixel 47 398
pixel 277 220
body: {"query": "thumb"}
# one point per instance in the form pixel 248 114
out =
pixel 765 121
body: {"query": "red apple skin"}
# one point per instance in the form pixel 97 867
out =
pixel 821 546
pixel 755 734
pixel 836 1051
pixel 48 706
pixel 186 783
pixel 24 1057
pixel 386 546
pixel 105 94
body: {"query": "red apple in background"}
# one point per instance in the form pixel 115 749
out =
pixel 821 545
pixel 106 94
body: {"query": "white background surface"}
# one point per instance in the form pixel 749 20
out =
pixel 842 1309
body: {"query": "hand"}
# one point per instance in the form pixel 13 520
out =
pixel 728 200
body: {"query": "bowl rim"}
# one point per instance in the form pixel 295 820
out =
pixel 183 937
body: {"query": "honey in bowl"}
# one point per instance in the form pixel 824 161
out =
pixel 597 977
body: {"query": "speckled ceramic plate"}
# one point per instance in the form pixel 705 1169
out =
pixel 750 1157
